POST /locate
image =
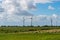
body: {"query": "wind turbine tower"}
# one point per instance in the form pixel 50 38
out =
pixel 23 21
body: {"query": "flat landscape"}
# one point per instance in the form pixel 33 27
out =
pixel 29 19
pixel 30 36
pixel 29 33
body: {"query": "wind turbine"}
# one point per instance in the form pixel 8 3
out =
pixel 55 17
pixel 31 21
pixel 23 21
pixel 51 22
pixel 31 18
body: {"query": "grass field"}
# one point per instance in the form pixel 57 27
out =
pixel 30 36
pixel 29 33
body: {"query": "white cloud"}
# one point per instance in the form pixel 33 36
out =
pixel 23 4
pixel 13 9
pixel 14 18
pixel 17 6
pixel 36 19
pixel 50 7
pixel 1 16
pixel 26 4
pixel 54 15
pixel 42 1
pixel 45 1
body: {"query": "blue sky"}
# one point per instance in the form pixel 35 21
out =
pixel 44 10
pixel 13 11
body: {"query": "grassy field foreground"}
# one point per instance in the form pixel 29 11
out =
pixel 29 36
pixel 29 33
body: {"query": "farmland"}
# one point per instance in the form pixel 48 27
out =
pixel 29 33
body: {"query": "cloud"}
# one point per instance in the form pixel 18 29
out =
pixel 14 18
pixel 45 1
pixel 50 7
pixel 36 19
pixel 17 6
pixel 14 10
pixel 23 13
pixel 54 15
pixel 1 16
pixel 42 1
pixel 26 4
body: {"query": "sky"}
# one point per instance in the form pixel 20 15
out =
pixel 42 11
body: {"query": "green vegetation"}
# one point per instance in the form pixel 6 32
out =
pixel 29 33
pixel 24 29
pixel 30 36
pixel 18 29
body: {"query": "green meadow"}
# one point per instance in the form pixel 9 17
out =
pixel 29 33
pixel 30 36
